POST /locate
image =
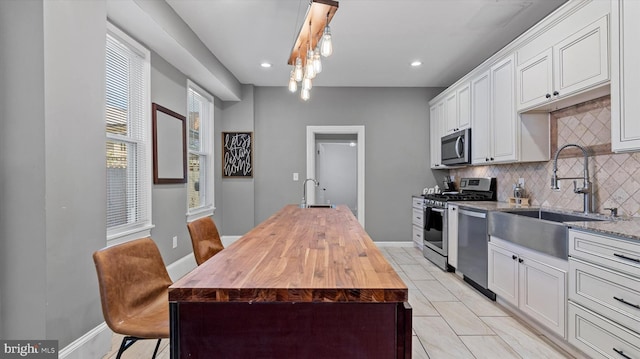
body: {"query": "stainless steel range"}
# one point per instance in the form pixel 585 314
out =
pixel 436 247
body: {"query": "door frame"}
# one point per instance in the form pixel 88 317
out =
pixel 312 131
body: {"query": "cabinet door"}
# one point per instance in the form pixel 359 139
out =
pixel 450 113
pixel 452 228
pixel 435 134
pixel 535 81
pixel 543 293
pixel 463 94
pixel 582 59
pixel 503 114
pixel 480 115
pixel 503 273
pixel 625 76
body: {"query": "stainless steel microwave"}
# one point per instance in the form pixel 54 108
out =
pixel 455 148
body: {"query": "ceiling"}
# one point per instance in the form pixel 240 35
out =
pixel 374 40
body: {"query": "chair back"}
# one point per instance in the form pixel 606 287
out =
pixel 204 238
pixel 132 277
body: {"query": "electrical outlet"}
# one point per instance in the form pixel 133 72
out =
pixel 175 241
pixel 521 181
pixel 295 176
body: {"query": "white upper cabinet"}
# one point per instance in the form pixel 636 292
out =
pixel 457 109
pixel 503 113
pixel 625 75
pixel 436 118
pixel 577 63
pixel 480 116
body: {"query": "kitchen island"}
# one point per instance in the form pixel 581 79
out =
pixel 305 283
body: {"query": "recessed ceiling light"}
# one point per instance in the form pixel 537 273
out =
pixel 266 65
pixel 416 63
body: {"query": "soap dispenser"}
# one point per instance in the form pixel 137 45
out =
pixel 518 191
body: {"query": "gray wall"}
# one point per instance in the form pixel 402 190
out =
pixel 169 89
pixel 396 124
pixel 237 202
pixel 52 173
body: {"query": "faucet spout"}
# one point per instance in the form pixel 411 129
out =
pixel 304 191
pixel 585 190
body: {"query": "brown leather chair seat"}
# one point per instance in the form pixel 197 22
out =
pixel 134 286
pixel 205 239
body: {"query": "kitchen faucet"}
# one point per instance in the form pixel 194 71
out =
pixel 585 190
pixel 303 204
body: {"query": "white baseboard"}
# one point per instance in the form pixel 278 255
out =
pixel 94 344
pixel 97 342
pixel 228 240
pixel 181 267
pixel 394 244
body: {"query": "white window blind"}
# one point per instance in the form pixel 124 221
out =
pixel 200 141
pixel 128 138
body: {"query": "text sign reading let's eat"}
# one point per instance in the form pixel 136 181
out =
pixel 237 154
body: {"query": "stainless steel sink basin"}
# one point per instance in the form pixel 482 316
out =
pixel 540 230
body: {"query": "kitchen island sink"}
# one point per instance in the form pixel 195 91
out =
pixel 541 230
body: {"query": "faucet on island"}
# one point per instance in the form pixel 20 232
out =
pixel 585 190
pixel 303 204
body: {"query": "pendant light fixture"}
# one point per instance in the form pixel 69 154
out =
pixel 313 40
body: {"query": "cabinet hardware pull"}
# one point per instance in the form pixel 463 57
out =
pixel 491 158
pixel 622 353
pixel 556 93
pixel 621 300
pixel 520 260
pixel 514 257
pixel 486 160
pixel 548 95
pixel 627 258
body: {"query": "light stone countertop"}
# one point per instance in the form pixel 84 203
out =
pixel 627 227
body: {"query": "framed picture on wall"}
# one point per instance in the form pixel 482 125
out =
pixel 237 154
pixel 169 146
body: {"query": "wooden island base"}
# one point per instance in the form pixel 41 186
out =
pixel 306 283
pixel 292 330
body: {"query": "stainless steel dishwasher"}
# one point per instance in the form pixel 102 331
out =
pixel 473 241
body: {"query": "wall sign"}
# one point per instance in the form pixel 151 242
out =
pixel 237 154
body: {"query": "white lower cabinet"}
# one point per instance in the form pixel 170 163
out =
pixel 599 337
pixel 452 234
pixel 533 282
pixel 417 219
pixel 604 295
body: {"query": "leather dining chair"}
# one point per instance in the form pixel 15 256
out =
pixel 205 239
pixel 134 286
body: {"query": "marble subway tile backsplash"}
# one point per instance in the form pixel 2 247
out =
pixel 615 177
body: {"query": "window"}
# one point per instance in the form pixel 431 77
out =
pixel 200 145
pixel 128 140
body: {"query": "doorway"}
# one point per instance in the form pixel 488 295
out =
pixel 336 144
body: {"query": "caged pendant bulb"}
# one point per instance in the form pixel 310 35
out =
pixel 298 70
pixel 305 94
pixel 317 64
pixel 327 47
pixel 309 68
pixel 293 85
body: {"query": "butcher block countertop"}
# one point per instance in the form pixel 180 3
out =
pixel 296 255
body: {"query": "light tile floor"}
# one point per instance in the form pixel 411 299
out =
pixel 450 319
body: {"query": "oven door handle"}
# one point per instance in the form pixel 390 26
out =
pixel 458 140
pixel 439 210
pixel 473 214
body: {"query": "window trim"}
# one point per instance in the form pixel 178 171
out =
pixel 208 209
pixel 125 233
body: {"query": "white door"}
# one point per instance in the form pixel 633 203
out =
pixel 503 273
pixel 535 80
pixel 480 116
pixel 336 171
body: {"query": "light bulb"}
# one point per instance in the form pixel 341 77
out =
pixel 306 84
pixel 317 64
pixel 327 47
pixel 293 85
pixel 298 70
pixel 309 69
pixel 305 94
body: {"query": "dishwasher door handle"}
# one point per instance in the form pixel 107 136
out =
pixel 473 213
